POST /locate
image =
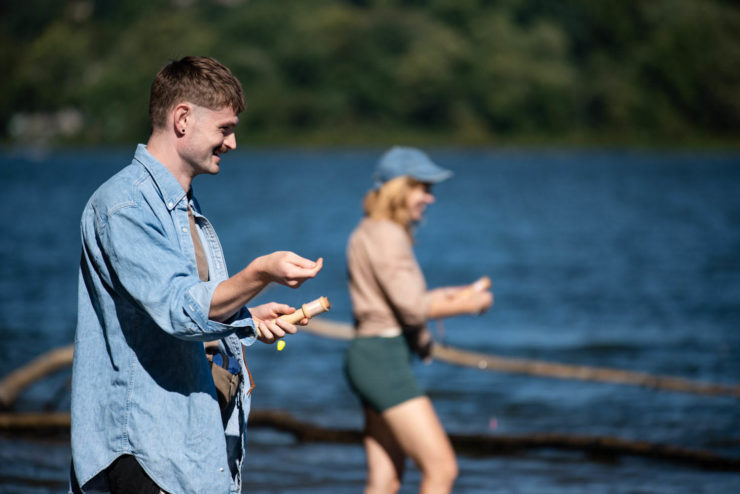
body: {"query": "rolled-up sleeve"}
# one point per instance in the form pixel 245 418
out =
pixel 147 266
pixel 198 305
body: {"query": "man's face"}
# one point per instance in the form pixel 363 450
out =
pixel 209 133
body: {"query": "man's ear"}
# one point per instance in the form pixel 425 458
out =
pixel 182 114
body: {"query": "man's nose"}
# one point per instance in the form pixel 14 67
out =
pixel 230 141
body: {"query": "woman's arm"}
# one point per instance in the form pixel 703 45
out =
pixel 458 300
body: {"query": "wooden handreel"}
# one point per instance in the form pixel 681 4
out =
pixel 307 310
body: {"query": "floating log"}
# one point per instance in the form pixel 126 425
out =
pixel 35 422
pixel 18 380
pixel 329 329
pixel 494 445
pixel 467 444
pixel 580 372
pixel 539 368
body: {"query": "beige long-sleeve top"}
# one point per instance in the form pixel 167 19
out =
pixel 386 284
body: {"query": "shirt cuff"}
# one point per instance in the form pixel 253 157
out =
pixel 244 325
pixel 198 306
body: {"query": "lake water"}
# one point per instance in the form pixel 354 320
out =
pixel 616 259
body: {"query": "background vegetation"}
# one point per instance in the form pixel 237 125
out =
pixel 380 71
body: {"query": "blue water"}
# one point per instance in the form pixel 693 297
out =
pixel 611 258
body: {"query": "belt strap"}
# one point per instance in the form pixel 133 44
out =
pixel 200 254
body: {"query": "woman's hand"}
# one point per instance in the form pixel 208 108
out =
pixel 448 292
pixel 482 301
pixel 454 301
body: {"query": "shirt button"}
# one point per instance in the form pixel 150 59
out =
pixel 185 230
pixel 169 204
pixel 221 469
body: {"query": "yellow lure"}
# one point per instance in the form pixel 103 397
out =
pixel 280 345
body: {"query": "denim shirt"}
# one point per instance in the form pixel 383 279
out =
pixel 141 382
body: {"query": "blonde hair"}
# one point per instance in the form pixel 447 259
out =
pixel 389 202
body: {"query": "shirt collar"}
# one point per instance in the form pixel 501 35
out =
pixel 172 191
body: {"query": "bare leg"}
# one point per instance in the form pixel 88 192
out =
pixel 420 434
pixel 385 458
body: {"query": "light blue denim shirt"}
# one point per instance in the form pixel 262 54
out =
pixel 141 382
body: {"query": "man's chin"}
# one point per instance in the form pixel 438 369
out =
pixel 215 165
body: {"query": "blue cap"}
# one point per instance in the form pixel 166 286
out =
pixel 400 161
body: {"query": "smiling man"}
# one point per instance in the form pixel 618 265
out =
pixel 160 386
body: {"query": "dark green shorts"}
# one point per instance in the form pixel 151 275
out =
pixel 379 371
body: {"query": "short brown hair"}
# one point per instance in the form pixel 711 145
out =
pixel 389 202
pixel 200 80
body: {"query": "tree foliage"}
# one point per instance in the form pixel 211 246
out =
pixel 372 71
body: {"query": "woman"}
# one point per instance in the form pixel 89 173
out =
pixel 391 305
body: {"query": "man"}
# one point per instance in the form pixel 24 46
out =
pixel 156 304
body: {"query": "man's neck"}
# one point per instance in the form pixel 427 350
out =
pixel 164 150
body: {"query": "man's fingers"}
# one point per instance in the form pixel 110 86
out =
pixel 264 333
pixel 286 326
pixel 304 263
pixel 275 328
pixel 280 309
pixel 298 275
pixel 319 265
pixel 308 273
pixel 270 331
pixel 265 336
pixel 307 268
